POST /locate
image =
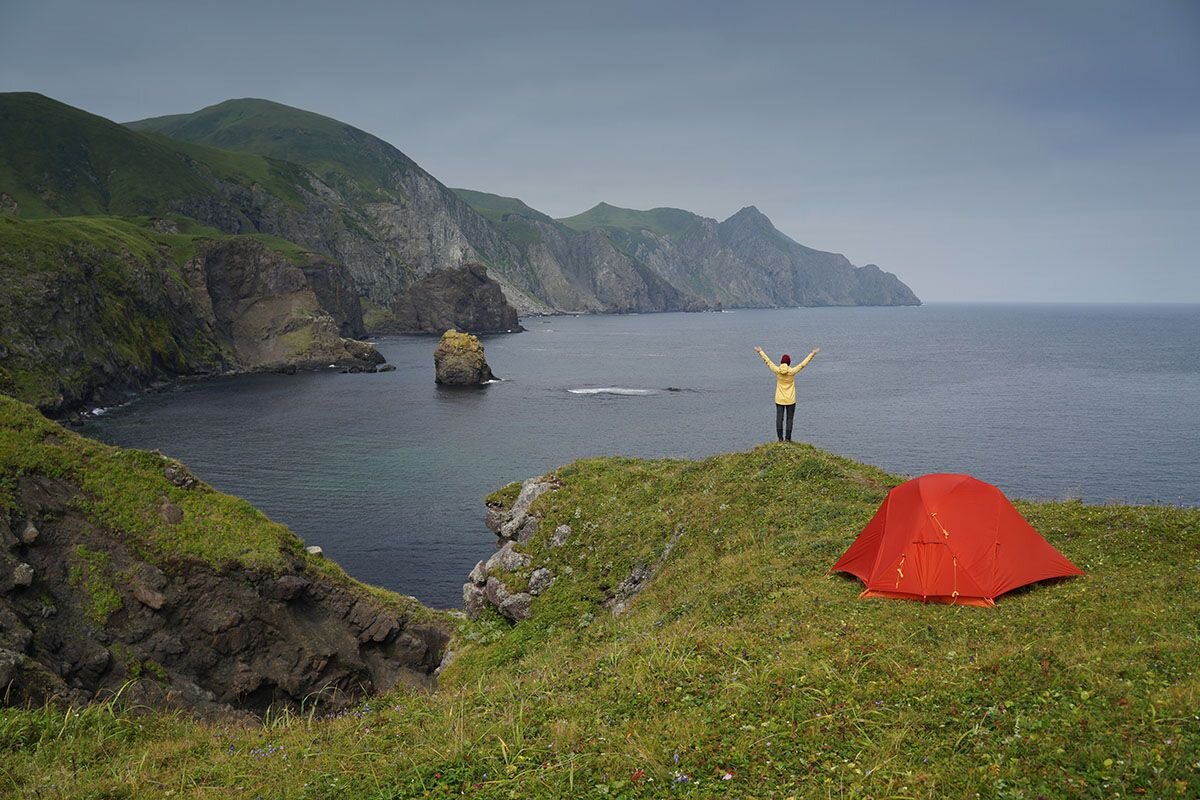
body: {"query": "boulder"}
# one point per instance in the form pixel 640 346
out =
pixel 459 361
pixel 148 597
pixel 30 534
pixel 478 575
pixel 474 600
pixel 540 580
pixel 22 575
pixel 506 559
pixel 170 513
pixel 561 534
pixel 514 606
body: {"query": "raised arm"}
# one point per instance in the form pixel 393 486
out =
pixel 807 359
pixel 770 364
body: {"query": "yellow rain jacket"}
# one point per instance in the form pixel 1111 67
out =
pixel 785 379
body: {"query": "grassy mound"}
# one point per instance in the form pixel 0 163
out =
pixel 743 669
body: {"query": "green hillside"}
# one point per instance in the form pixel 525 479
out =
pixel 743 669
pixel 516 221
pixel 345 157
pixel 497 208
pixel 664 221
pixel 56 160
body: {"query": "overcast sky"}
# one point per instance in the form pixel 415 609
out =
pixel 982 151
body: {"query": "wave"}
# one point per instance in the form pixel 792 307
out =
pixel 612 390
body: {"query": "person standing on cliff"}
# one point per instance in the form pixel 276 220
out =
pixel 785 388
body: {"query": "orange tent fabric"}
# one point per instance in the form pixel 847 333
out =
pixel 950 539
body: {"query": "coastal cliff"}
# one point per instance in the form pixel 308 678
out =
pixel 742 261
pixel 120 572
pixel 95 308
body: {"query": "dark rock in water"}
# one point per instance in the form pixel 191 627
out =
pixel 462 298
pixel 459 361
pixel 386 368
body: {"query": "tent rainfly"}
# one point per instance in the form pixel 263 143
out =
pixel 950 539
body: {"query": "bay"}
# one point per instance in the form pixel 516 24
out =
pixel 388 472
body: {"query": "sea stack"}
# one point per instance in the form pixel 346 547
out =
pixel 459 361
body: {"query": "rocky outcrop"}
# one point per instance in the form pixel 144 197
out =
pixel 488 583
pixel 92 311
pixel 463 298
pixel 86 609
pixel 271 313
pixel 459 361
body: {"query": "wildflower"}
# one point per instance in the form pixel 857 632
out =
pixel 728 776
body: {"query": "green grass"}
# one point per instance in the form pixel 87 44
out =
pixel 743 657
pixel 353 161
pixel 671 222
pixel 496 208
pixel 92 570
pixel 56 160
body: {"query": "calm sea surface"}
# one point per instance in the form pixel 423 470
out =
pixel 388 472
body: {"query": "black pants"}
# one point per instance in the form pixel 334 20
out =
pixel 791 415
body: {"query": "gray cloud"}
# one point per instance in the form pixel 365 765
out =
pixel 1021 151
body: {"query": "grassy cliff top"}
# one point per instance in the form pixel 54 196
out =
pixel 665 221
pixel 496 207
pixel 744 668
pixel 342 155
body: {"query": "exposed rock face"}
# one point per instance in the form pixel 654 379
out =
pixel 579 271
pixel 462 298
pixel 271 313
pixel 81 613
pixel 746 261
pixel 486 585
pixel 85 320
pixel 412 225
pixel 459 361
pixel 389 221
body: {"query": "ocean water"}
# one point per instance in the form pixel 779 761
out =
pixel 388 472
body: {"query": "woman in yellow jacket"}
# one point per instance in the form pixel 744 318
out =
pixel 785 388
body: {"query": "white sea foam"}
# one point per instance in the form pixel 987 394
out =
pixel 99 412
pixel 612 390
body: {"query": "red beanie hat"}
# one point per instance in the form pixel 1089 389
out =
pixel 786 359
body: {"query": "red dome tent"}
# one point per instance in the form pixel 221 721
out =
pixel 950 539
